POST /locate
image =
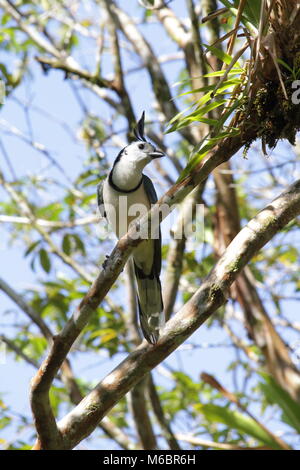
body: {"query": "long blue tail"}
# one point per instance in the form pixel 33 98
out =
pixel 150 305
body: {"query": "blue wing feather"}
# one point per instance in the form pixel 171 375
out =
pixel 100 200
pixel 151 193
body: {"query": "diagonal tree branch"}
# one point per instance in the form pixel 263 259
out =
pixel 80 422
pixel 140 414
pixel 213 382
pixel 258 322
pixel 30 312
pixel 51 224
pixel 146 385
pixel 195 441
pixel 264 334
pixel 144 51
pixel 59 59
pixel 28 213
pixel 63 342
pixel 213 293
pixel 13 347
pixel 189 41
pixel 176 251
pixel 137 399
pixel 118 68
pixel 38 38
pixel 137 394
pixel 67 375
pixel 160 415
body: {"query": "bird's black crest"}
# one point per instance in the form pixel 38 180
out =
pixel 139 129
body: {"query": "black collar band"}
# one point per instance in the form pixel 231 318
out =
pixel 116 188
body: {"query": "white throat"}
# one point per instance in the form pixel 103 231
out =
pixel 127 175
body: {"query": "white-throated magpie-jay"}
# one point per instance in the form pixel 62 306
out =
pixel 126 179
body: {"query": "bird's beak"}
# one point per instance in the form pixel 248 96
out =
pixel 156 154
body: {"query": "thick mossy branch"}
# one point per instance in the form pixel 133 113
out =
pixel 276 117
pixel 272 105
pixel 213 293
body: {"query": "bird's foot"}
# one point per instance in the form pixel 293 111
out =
pixel 104 264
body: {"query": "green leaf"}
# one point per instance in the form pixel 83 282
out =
pixel 31 248
pixel 195 160
pixel 284 64
pixel 178 115
pixel 229 133
pixel 209 107
pixel 45 260
pixel 293 72
pixel 57 396
pixel 78 243
pixel 36 346
pixel 50 212
pixel 5 421
pixel 275 394
pixel 220 73
pixel 5 19
pixel 197 90
pixel 202 150
pixel 197 116
pixel 251 13
pixel 105 334
pixel 66 244
pixel 226 58
pixel 72 242
pixel 225 85
pixel 236 420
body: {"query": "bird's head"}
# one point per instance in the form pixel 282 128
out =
pixel 140 152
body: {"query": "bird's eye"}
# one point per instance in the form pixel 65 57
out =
pixel 141 146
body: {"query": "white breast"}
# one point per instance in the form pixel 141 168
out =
pixel 122 209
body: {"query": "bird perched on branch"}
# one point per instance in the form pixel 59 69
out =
pixel 124 192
